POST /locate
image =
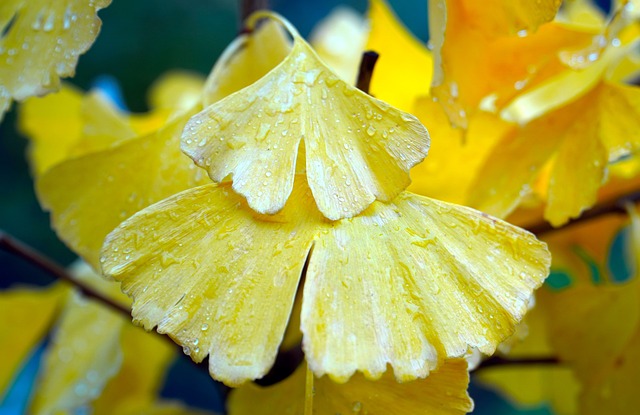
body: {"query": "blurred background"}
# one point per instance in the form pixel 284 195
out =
pixel 139 41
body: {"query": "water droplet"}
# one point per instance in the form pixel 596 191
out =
pixel 371 130
pixel 81 389
pixel 37 24
pixel 186 350
pixel 48 24
pixel 204 327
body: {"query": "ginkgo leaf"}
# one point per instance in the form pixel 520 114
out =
pixel 477 55
pixel 530 385
pixel 426 278
pixel 358 149
pixel 233 305
pixel 136 386
pixel 176 90
pixel 53 125
pixel 614 391
pixel 67 125
pixel 248 58
pixel 610 388
pixel 578 139
pixel 84 354
pixel 404 70
pixel 133 175
pixel 453 278
pixel 41 42
pixel 442 393
pixel 454 161
pixel 26 318
pixel 82 272
pixel 339 40
pixel 104 125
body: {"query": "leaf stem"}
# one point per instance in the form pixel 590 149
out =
pixel 367 64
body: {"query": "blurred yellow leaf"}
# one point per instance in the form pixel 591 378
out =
pixel 533 385
pixel 477 53
pixel 403 71
pixel 455 156
pixel 579 139
pixel 442 393
pixel 41 41
pixel 132 176
pixel 84 354
pixel 26 318
pixel 339 41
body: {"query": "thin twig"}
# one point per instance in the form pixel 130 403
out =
pixel 495 361
pixel 367 64
pixel 615 206
pixel 24 251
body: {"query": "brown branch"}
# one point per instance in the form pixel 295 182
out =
pixel 495 361
pixel 367 64
pixel 14 246
pixel 615 206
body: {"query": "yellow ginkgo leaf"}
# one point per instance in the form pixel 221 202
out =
pixel 133 175
pixel 444 392
pixel 26 318
pixel 454 160
pixel 578 139
pixel 67 125
pixel 248 58
pixel 358 149
pixel 104 125
pixel 478 57
pixel 582 12
pixel 403 71
pixel 427 279
pixel 85 353
pixel 82 272
pixel 232 305
pixel 339 41
pixel 41 42
pixel 528 385
pixel 453 278
pixel 615 391
pixel 176 90
pixel 136 386
pixel 53 125
pixel 612 313
pixel 610 387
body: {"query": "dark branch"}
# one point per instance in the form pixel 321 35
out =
pixel 249 6
pixel 495 361
pixel 29 254
pixel 367 64
pixel 616 206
